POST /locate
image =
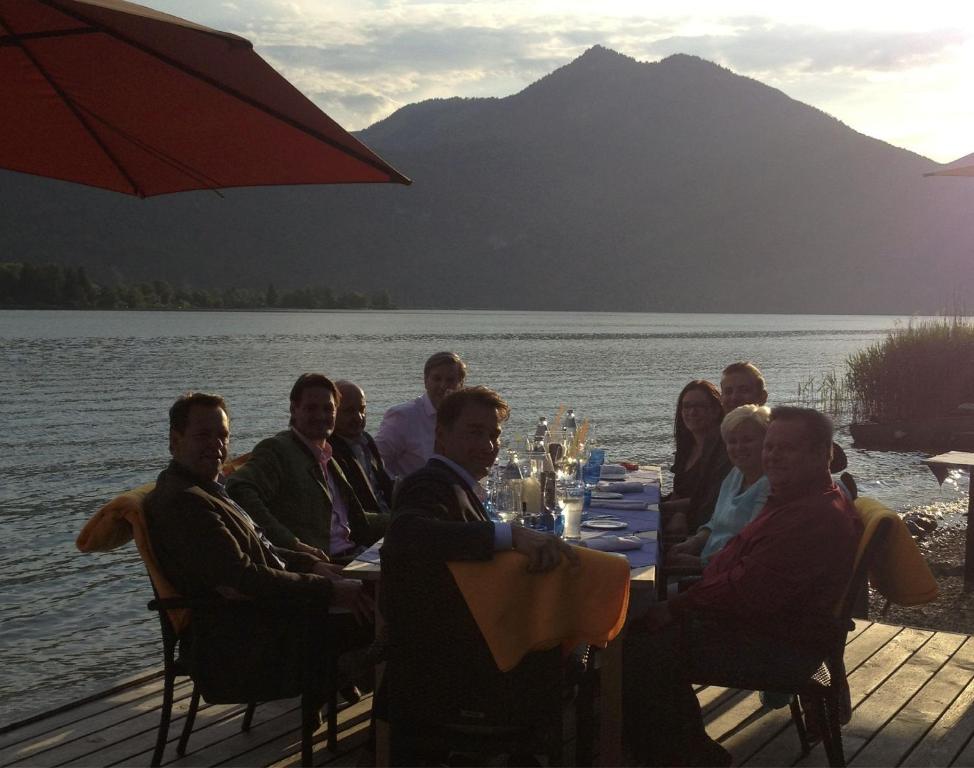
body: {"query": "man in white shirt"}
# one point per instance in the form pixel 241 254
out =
pixel 406 434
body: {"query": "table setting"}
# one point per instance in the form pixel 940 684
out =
pixel 558 481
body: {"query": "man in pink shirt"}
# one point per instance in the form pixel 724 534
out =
pixel 296 491
pixel 763 607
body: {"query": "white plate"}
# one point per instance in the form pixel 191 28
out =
pixel 605 525
pixel 606 495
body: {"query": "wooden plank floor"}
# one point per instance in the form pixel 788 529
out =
pixel 912 695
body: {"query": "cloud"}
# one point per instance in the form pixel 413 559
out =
pixel 360 60
pixel 756 46
pixel 388 67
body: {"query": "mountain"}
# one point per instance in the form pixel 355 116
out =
pixel 609 184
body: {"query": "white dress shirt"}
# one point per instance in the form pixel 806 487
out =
pixel 406 435
pixel 502 531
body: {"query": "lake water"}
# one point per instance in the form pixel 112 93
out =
pixel 84 399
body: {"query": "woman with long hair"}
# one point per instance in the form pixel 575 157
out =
pixel 696 432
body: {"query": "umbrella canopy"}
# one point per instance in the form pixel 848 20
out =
pixel 115 95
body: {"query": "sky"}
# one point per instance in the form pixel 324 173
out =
pixel 902 72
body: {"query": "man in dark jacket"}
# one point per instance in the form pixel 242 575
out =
pixel 356 452
pixel 295 490
pixel 440 668
pixel 206 545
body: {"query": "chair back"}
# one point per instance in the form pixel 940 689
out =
pixel 858 587
pixel 176 619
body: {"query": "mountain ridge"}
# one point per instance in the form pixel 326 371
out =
pixel 689 187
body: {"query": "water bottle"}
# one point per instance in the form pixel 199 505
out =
pixel 541 436
pixel 542 429
pixel 570 424
pixel 593 467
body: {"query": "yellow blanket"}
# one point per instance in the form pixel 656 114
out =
pixel 121 520
pixel 899 573
pixel 519 612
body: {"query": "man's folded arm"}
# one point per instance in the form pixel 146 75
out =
pixel 413 534
pixel 219 561
pixel 780 568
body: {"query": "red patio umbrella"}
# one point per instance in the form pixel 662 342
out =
pixel 115 95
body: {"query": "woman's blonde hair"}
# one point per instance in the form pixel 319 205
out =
pixel 759 414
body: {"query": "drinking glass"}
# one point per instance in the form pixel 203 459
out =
pixel 572 500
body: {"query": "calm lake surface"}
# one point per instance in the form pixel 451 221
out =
pixel 84 399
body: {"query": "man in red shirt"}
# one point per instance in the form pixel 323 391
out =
pixel 763 606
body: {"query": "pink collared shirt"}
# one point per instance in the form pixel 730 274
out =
pixel 340 538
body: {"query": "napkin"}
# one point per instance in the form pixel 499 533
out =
pixel 629 487
pixel 614 543
pixel 618 504
pixel 519 612
pixel 612 471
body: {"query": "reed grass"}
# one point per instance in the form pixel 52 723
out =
pixel 922 370
pixel 828 394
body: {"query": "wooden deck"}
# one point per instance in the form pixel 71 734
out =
pixel 912 694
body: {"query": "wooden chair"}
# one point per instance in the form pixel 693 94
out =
pixel 313 683
pixel 484 734
pixel 260 675
pixel 824 692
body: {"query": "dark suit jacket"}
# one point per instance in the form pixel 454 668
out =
pixel 205 547
pixel 439 663
pixel 356 475
pixel 283 488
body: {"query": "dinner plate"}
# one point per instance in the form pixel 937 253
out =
pixel 606 495
pixel 605 525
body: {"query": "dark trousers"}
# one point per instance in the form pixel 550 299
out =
pixel 663 723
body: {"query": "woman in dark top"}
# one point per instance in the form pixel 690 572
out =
pixel 696 431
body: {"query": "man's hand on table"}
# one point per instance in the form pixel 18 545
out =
pixel 331 570
pixel 544 551
pixel 351 595
pixel 300 546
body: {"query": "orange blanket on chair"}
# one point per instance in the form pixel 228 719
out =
pixel 900 573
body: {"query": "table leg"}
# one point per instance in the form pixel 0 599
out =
pixel 610 704
pixel 383 757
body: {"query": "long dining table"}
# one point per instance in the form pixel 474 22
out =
pixel 641 523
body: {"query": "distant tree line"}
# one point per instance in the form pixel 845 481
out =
pixel 55 286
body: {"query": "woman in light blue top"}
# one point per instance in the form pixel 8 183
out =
pixel 743 492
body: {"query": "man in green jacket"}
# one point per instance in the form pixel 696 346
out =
pixel 293 488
